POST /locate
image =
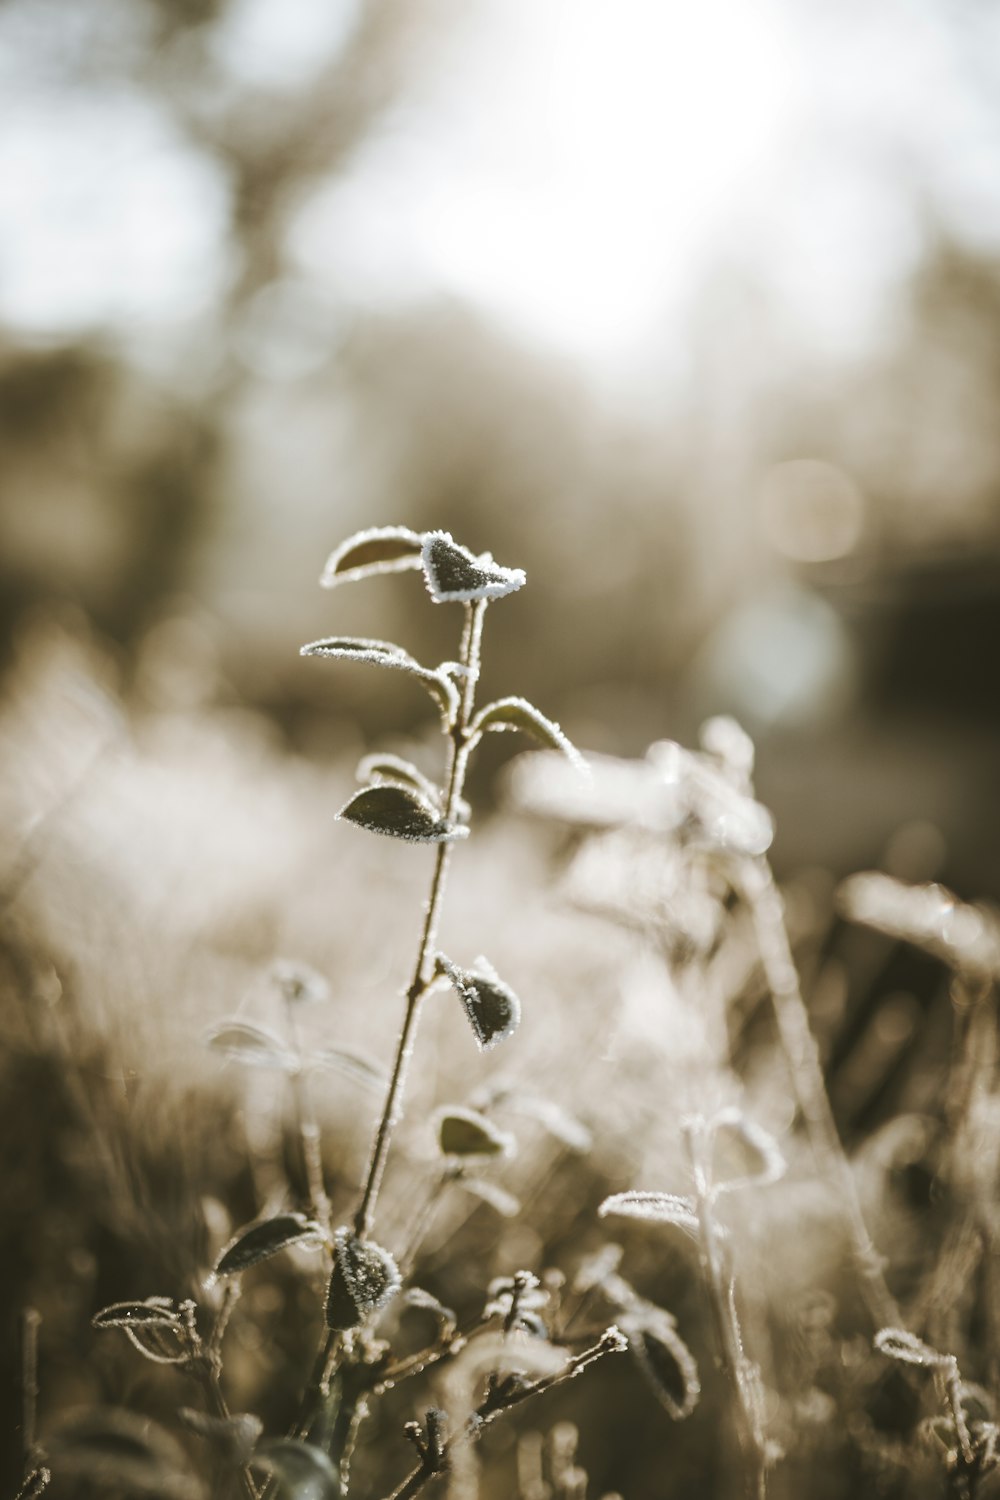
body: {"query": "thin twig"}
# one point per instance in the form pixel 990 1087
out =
pixel 30 1320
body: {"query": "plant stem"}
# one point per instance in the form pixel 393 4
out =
pixel 207 1370
pixel 423 970
pixel 610 1342
pixel 722 1298
pixel 312 1156
pixel 30 1320
pixel 767 913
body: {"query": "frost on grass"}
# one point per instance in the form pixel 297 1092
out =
pixel 662 1208
pixel 400 813
pixel 746 1153
pixel 365 1278
pixel 466 1133
pixel 492 1008
pixel 261 1241
pixel 379 549
pixel 454 574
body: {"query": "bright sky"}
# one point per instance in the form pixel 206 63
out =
pixel 574 168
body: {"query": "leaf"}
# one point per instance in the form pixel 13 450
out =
pixel 35 1484
pixel 465 1132
pixel 664 1359
pixel 158 1312
pixel 753 1153
pixel 453 573
pixel 493 1010
pixel 254 1046
pixel 899 1344
pixel 556 1120
pixel 365 1277
pixel 418 1296
pixel 303 1471
pixel 508 714
pixel 400 814
pixel 663 1208
pixel 492 1194
pixel 437 681
pixel 379 549
pixel 261 1241
pixel 234 1438
pixel 351 1064
pixel 393 768
pixel 122 1451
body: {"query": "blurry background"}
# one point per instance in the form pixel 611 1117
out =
pixel 693 311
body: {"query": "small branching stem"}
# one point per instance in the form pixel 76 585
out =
pixel 610 1342
pixel 722 1299
pixel 799 1045
pixel 423 971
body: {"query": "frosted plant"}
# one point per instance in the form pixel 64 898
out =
pixel 363 1277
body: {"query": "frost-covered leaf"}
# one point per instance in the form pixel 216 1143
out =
pixel 154 1312
pixel 492 1008
pixel 261 1241
pixel 465 1132
pixel 120 1450
pixel 365 1277
pixel 379 549
pixel 453 573
pixel 384 766
pixel 418 1296
pixel 899 1344
pixel 743 1153
pixel 400 813
pixel 664 1208
pixel 664 1359
pixel 437 681
pixel 507 714
pixel 352 1064
pixel 491 1193
pixel 727 741
pixel 254 1046
pixel 556 1120
pixel 298 983
pixel 35 1484
pixel 303 1471
pixel 233 1438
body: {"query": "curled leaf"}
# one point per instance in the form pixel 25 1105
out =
pixel 357 1066
pixel 663 1208
pixel 252 1045
pixel 664 1359
pixel 418 1296
pixel 492 1008
pixel 400 813
pixel 899 1344
pixel 508 714
pixel 394 768
pixel 750 1155
pixel 379 549
pixel 453 573
pixel 491 1193
pixel 303 1471
pixel 154 1312
pixel 365 1277
pixel 263 1240
pixel 233 1438
pixel 437 681
pixel 465 1133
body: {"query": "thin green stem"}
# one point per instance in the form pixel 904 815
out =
pixel 423 970
pixel 767 914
